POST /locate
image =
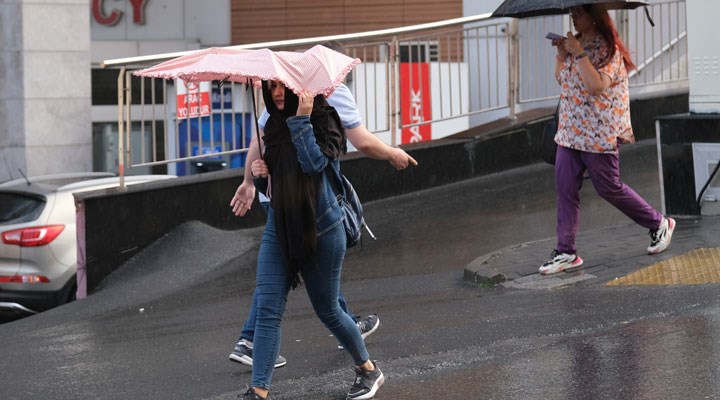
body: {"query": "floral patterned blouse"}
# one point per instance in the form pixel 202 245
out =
pixel 594 123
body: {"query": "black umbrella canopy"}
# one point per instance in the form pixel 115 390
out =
pixel 535 8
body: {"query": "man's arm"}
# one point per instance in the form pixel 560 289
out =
pixel 367 143
pixel 245 193
pixel 371 146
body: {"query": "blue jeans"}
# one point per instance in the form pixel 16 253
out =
pixel 321 278
pixel 248 330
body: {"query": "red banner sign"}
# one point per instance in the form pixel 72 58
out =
pixel 415 101
pixel 193 99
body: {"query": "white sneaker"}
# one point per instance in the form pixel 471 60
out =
pixel 560 262
pixel 660 237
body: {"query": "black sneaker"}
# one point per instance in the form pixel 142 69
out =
pixel 251 395
pixel 243 354
pixel 367 326
pixel 366 383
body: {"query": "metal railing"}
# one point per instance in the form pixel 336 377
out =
pixel 659 52
pixel 420 82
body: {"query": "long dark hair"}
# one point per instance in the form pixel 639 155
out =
pixel 606 27
pixel 295 193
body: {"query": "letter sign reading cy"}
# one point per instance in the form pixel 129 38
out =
pixel 115 15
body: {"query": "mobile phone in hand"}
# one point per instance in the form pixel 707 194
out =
pixel 554 36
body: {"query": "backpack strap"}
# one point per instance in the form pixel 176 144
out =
pixel 338 187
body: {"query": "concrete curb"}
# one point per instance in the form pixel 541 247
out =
pixel 616 251
pixel 482 271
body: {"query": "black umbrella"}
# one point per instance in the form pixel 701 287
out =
pixel 535 8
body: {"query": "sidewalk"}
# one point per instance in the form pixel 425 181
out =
pixel 610 255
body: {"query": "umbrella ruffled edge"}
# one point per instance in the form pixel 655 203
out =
pixel 341 77
pixel 255 78
pixel 191 77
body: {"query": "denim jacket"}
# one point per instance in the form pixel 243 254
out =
pixel 313 161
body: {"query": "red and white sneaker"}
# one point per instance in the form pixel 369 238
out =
pixel 560 262
pixel 660 237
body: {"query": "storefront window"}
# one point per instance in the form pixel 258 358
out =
pixel 104 88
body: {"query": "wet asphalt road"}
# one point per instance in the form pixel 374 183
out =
pixel 163 326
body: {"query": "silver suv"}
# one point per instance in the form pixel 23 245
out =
pixel 38 258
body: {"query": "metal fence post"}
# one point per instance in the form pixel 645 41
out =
pixel 394 90
pixel 128 126
pixel 513 39
pixel 121 128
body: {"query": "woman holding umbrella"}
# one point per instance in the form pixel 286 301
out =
pixel 594 120
pixel 303 236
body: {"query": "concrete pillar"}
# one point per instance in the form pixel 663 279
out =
pixel 45 123
pixel 12 154
pixel 703 55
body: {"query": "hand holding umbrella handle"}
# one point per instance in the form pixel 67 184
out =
pixel 259 169
pixel 305 104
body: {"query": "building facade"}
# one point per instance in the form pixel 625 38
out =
pixel 58 112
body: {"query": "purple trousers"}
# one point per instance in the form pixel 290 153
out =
pixel 604 170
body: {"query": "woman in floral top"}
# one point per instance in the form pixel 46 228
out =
pixel 594 119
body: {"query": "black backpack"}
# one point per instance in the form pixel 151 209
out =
pixel 352 208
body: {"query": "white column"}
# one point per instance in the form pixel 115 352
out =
pixel 45 124
pixel 12 123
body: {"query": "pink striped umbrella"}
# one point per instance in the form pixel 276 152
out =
pixel 318 70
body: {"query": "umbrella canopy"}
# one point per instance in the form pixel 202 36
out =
pixel 318 70
pixel 535 8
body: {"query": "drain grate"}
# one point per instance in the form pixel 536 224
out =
pixel 694 267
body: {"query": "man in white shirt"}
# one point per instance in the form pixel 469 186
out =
pixel 365 142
